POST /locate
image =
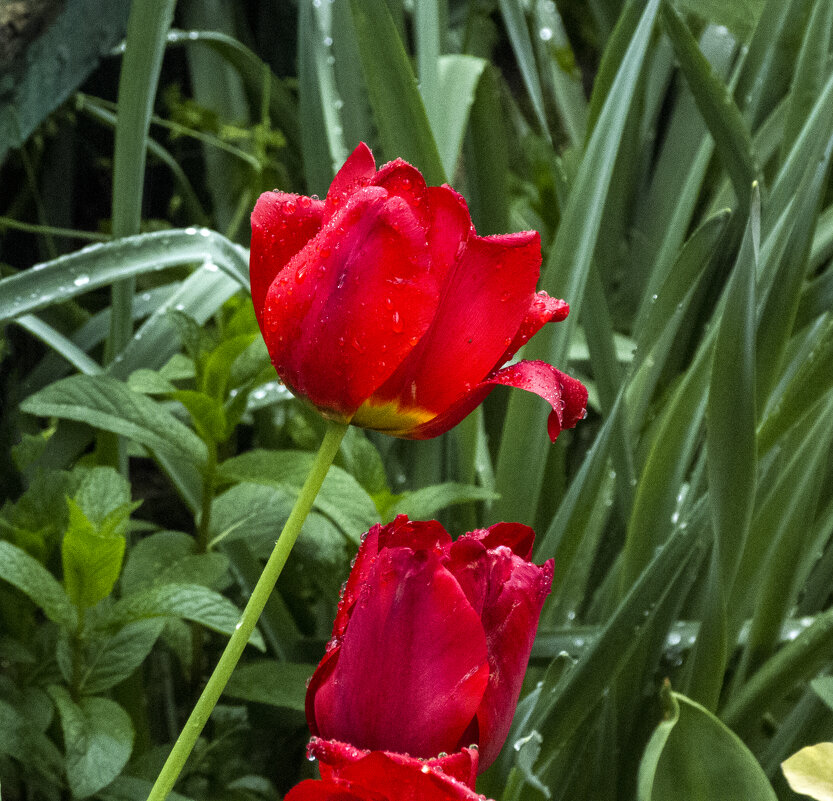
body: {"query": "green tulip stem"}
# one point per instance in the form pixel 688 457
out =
pixel 260 595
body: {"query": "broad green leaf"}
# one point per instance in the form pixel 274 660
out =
pixel 692 755
pixel 391 84
pixel 187 601
pixel 341 498
pixel 280 684
pixel 106 403
pixel 98 739
pixel 33 579
pixel 170 557
pixel 102 492
pixel 91 558
pixel 810 771
pixel 568 264
pixel 110 660
pixel 424 503
pixel 207 414
pixel 724 120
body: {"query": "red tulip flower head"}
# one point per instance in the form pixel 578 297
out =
pixel 382 307
pixel 431 640
pixel 351 774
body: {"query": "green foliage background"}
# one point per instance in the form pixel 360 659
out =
pixel 675 156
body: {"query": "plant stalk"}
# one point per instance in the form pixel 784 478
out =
pixel 260 595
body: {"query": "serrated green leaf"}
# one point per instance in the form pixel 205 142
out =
pixel 98 738
pixel 693 755
pixel 341 498
pixel 33 579
pixel 91 559
pixel 207 414
pixel 280 684
pixel 109 661
pixel 108 404
pixel 188 601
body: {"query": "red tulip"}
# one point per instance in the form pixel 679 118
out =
pixel 349 773
pixel 431 640
pixel 381 306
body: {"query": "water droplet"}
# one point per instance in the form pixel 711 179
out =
pixel 289 207
pixel 397 323
pixel 304 202
pixel 82 280
pixel 328 41
pixel 545 34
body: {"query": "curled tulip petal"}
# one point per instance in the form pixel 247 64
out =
pixel 381 306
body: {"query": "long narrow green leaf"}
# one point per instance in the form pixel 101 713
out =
pixel 516 27
pixel 103 263
pixel 428 23
pixel 147 29
pixel 731 458
pixel 565 276
pixel 810 69
pixel 559 714
pixel 60 344
pixel 391 84
pixel 731 136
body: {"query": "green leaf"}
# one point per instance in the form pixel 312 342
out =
pixel 731 412
pixel 98 738
pixel 391 84
pixel 280 684
pixel 424 503
pixel 188 601
pixel 207 414
pixel 91 559
pixel 739 16
pixel 516 28
pixel 692 755
pixel 102 492
pixel 810 771
pixel 823 687
pixel 568 264
pixel 110 660
pixel 713 98
pixel 170 557
pixel 108 404
pixel 459 76
pixel 33 579
pixel 341 498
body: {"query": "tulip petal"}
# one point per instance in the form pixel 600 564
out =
pixel 334 756
pixel 414 651
pixel 281 225
pixel 405 181
pixel 515 536
pixel 566 395
pixel 542 310
pixel 350 306
pixel 356 172
pixel 485 299
pixel 517 591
